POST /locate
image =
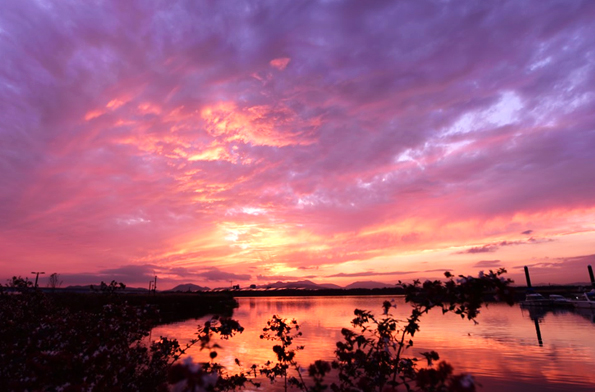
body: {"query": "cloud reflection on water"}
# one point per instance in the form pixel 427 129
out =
pixel 501 351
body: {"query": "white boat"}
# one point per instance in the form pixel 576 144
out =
pixel 560 301
pixel 585 301
pixel 536 299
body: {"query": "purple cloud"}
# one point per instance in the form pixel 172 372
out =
pixel 548 270
pixel 493 247
pixel 480 249
pixel 218 275
pixel 370 273
pixel 488 264
pixel 276 278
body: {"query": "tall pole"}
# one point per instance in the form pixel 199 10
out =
pixel 37 277
pixel 155 285
pixel 591 275
pixel 527 277
pixel 538 331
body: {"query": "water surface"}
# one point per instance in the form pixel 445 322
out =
pixel 502 350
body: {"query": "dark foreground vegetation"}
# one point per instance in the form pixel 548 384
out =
pixel 165 307
pixel 47 345
pixel 519 292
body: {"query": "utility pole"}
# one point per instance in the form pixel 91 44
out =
pixel 37 277
pixel 527 277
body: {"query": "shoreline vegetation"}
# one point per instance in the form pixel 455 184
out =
pixel 98 342
pixel 518 292
pixel 169 307
pixel 137 294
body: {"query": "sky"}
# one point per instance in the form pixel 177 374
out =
pixel 248 142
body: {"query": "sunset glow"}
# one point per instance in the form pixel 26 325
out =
pixel 218 142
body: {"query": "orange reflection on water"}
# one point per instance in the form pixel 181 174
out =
pixel 501 351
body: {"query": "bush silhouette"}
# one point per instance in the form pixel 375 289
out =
pixel 47 347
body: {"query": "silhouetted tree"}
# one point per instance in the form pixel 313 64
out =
pixel 19 283
pixel 54 281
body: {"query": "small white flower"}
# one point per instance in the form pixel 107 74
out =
pixel 210 379
pixel 191 365
pixel 467 381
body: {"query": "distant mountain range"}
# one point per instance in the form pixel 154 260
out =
pixel 309 285
pixel 368 284
pixel 189 287
pixel 300 285
pixel 296 285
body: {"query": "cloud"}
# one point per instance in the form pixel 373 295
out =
pixel 308 267
pixel 369 273
pixel 488 264
pixel 218 275
pixel 210 274
pixel 439 270
pixel 548 270
pixel 558 263
pixel 493 247
pixel 480 249
pixel 128 274
pixel 271 278
pixel 280 63
pixel 139 275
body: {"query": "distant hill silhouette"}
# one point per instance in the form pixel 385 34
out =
pixel 368 284
pixel 309 285
pixel 301 284
pixel 189 287
pixel 79 287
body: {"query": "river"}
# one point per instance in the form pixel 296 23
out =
pixel 502 350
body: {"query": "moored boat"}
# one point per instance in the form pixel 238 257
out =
pixel 585 301
pixel 560 301
pixel 536 299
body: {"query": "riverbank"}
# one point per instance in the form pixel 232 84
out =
pixel 177 306
pixel 171 307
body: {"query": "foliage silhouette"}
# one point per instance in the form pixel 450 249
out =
pixel 46 347
pixel 54 281
pixel 284 332
pixel 19 283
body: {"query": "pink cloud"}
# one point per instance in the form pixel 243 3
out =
pixel 280 63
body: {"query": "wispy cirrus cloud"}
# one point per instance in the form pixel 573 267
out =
pixel 493 247
pixel 488 264
pixel 547 270
pixel 370 273
pixel 272 278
